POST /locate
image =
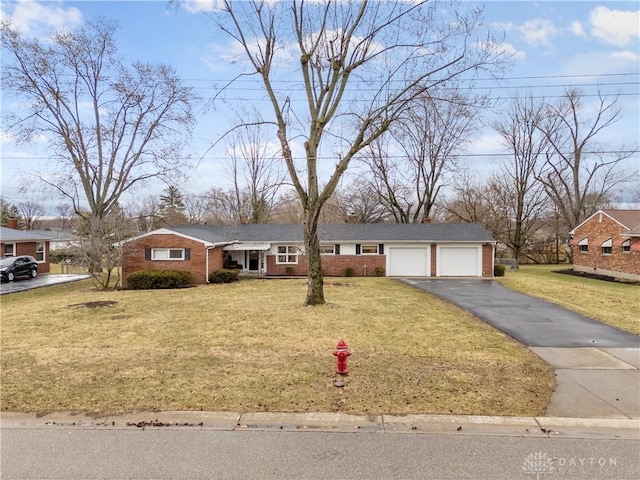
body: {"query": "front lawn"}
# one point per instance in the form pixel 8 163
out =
pixel 613 303
pixel 252 346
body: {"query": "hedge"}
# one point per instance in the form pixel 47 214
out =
pixel 224 276
pixel 158 279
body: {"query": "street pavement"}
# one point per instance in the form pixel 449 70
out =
pixel 44 280
pixel 597 366
pixel 209 445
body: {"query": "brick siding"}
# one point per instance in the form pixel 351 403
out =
pixel 332 265
pixel 133 257
pixel 487 260
pixel 434 260
pixel 602 227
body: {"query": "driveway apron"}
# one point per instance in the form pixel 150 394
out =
pixel 534 322
pixel 597 366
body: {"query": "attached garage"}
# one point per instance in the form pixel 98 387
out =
pixel 408 262
pixel 459 261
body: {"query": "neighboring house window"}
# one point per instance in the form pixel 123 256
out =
pixel 607 247
pixel 327 249
pixel 167 254
pixel 287 254
pixel 9 249
pixel 626 246
pixel 584 245
pixel 369 249
pixel 40 251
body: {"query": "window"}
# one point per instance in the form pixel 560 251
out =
pixel 9 249
pixel 369 249
pixel 327 249
pixel 607 247
pixel 287 254
pixel 584 245
pixel 626 246
pixel 167 254
pixel 40 251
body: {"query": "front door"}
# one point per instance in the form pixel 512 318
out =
pixel 254 260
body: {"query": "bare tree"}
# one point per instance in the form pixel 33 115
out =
pixel 256 171
pixel 391 181
pixel 97 247
pixel 475 201
pixel 524 198
pixel 361 198
pixel 195 208
pixel 65 212
pixel 580 173
pixel 111 126
pixel 31 212
pixel 428 139
pixel 359 64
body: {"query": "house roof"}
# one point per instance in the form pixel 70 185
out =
pixel 13 235
pixel 336 233
pixel 630 219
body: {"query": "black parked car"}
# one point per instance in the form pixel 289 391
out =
pixel 22 266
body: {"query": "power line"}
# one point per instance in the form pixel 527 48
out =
pixel 458 155
pixel 530 77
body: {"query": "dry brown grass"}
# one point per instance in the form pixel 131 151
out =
pixel 615 304
pixel 251 346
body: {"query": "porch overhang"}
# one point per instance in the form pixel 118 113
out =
pixel 260 246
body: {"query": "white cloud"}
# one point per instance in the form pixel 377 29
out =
pixel 36 18
pixel 615 27
pixel 539 32
pixel 197 6
pixel 625 56
pixel 502 49
pixel 577 29
pixel 5 137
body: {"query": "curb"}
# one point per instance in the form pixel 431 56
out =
pixel 339 422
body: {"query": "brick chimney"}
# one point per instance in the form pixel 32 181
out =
pixel 426 220
pixel 12 223
pixel 244 219
pixel 352 218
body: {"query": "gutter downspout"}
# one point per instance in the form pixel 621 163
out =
pixel 206 257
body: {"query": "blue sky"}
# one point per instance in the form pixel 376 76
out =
pixel 555 45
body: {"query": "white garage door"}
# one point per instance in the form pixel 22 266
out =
pixel 459 262
pixel 408 262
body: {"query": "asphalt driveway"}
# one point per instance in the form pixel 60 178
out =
pixel 533 322
pixel 44 280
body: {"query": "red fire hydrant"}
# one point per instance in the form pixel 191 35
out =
pixel 342 352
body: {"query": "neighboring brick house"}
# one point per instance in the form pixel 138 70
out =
pixel 14 242
pixel 608 243
pixel 408 250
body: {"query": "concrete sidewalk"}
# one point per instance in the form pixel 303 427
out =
pixel 594 382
